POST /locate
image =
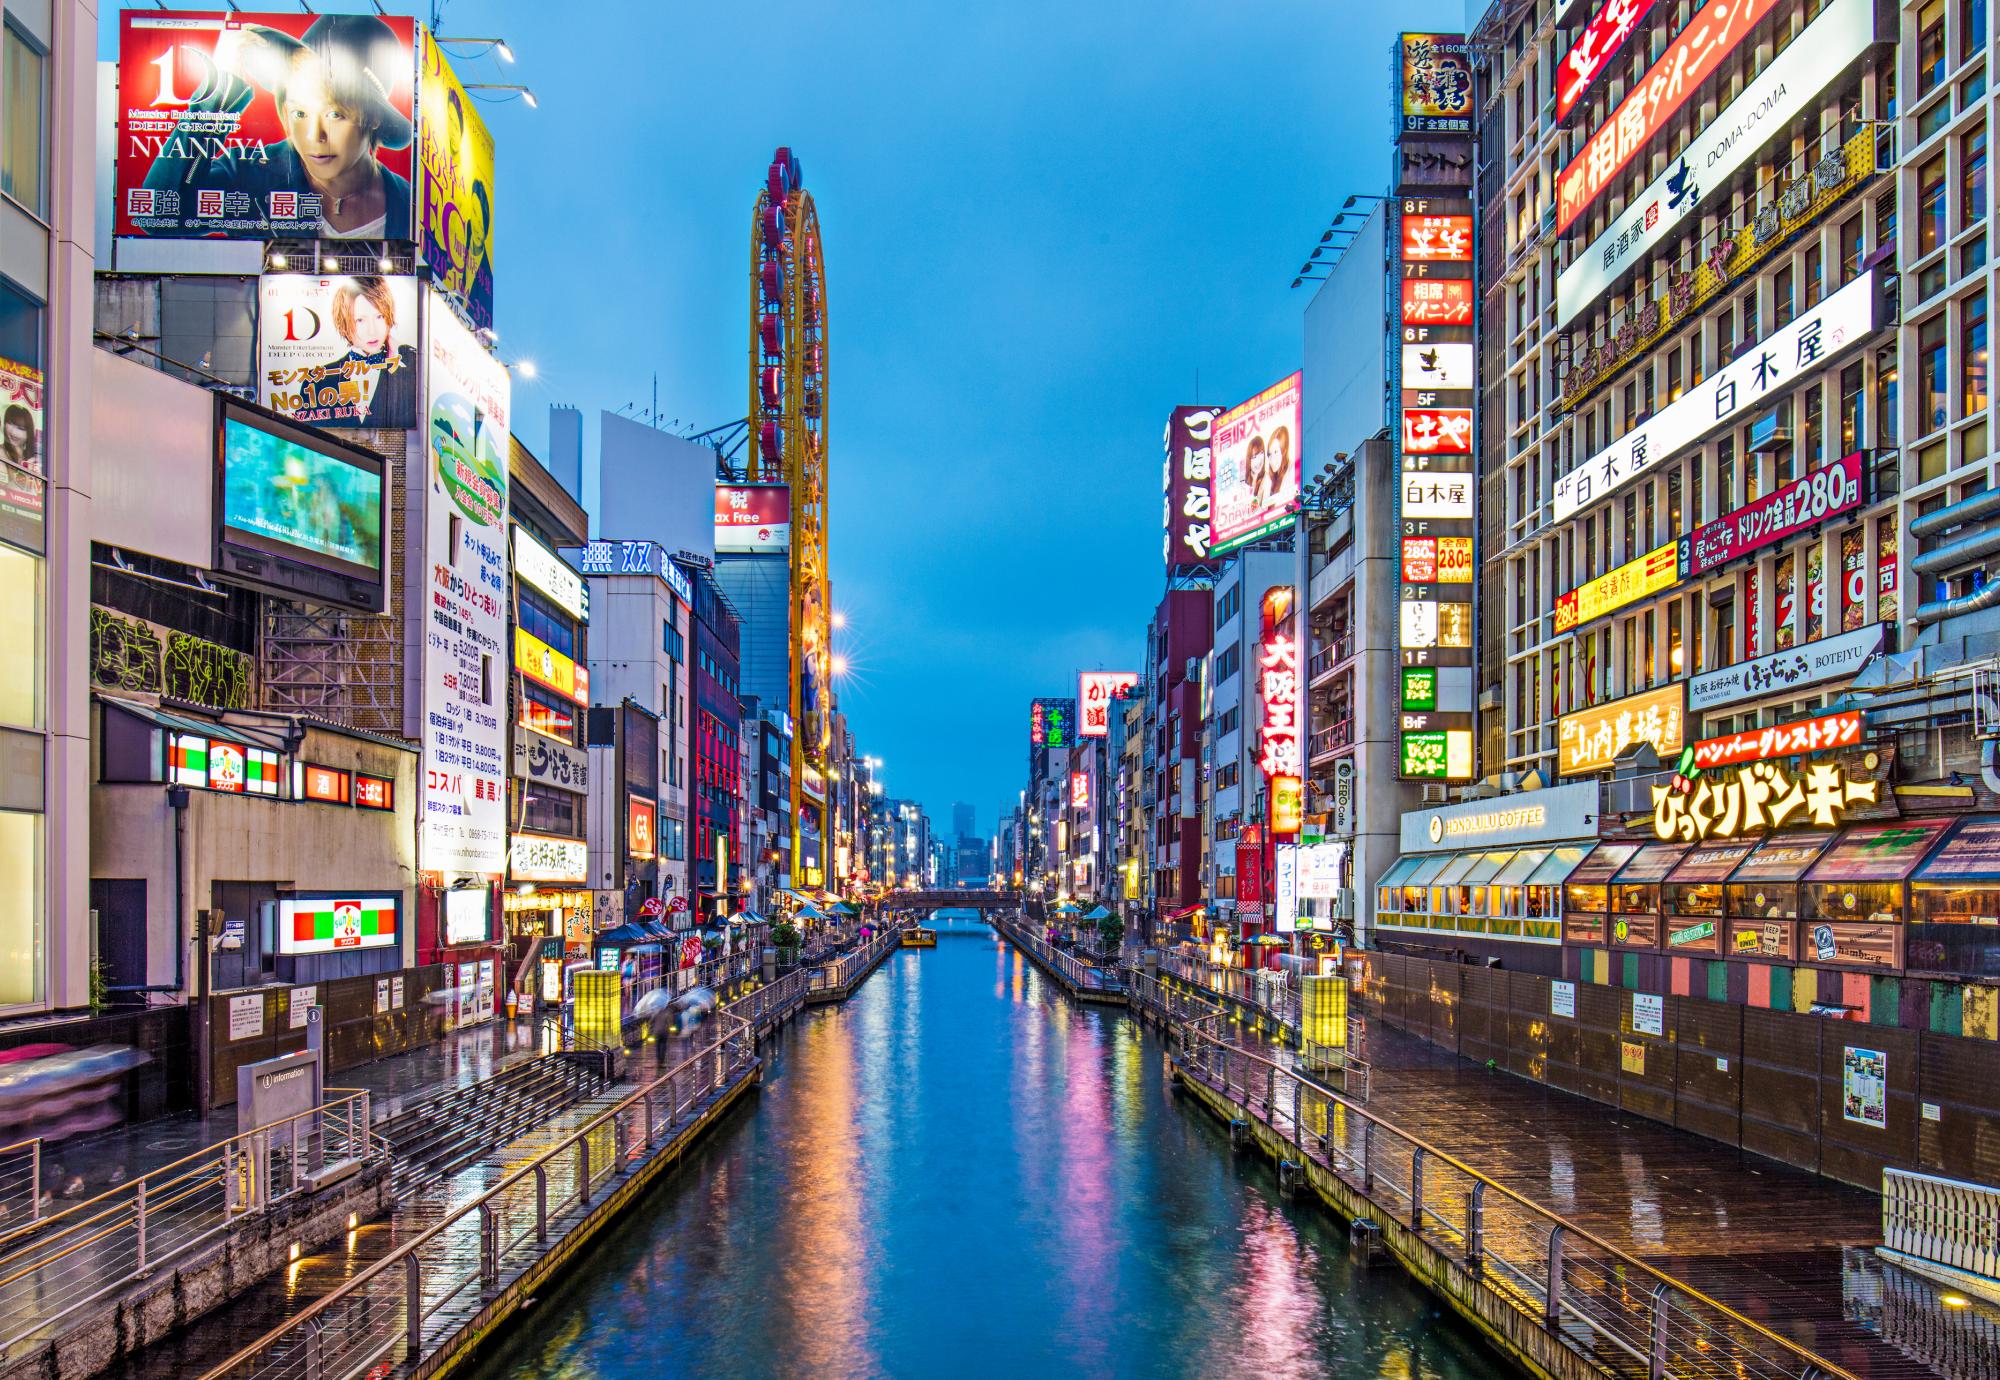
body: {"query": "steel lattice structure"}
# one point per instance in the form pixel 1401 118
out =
pixel 788 412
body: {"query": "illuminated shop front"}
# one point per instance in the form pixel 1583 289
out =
pixel 1488 872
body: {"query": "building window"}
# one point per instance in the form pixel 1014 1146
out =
pixel 20 326
pixel 1972 340
pixel 1850 408
pixel 23 136
pixel 1930 47
pixel 1889 420
pixel 1971 27
pixel 1850 249
pixel 1933 388
pixel 21 632
pixel 1784 303
pixel 20 908
pixel 545 622
pixel 547 811
pixel 1972 179
pixel 1930 205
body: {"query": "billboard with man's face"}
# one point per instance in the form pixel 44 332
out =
pixel 261 126
pixel 338 351
pixel 1255 450
pixel 454 186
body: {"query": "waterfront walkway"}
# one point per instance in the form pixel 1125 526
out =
pixel 1789 1250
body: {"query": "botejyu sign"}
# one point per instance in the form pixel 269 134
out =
pixel 1762 372
pixel 1795 668
pixel 1789 85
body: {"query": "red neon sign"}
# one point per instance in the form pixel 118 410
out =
pixel 1437 302
pixel 1597 43
pixel 1437 431
pixel 1712 35
pixel 1781 740
pixel 1437 239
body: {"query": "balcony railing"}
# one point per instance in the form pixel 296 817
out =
pixel 1335 736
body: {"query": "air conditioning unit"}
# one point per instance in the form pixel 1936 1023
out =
pixel 1435 795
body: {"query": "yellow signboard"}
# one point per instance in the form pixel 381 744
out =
pixel 1592 739
pixel 545 665
pixel 1658 569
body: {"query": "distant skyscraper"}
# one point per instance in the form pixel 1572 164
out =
pixel 961 821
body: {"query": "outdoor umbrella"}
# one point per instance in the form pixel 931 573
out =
pixel 1068 908
pixel 1097 913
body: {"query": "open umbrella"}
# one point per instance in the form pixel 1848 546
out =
pixel 1097 913
pixel 1068 908
pixel 810 911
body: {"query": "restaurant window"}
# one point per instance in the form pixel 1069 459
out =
pixel 1933 387
pixel 1724 642
pixel 1930 205
pixel 1812 438
pixel 548 811
pixel 23 135
pixel 1972 343
pixel 20 907
pixel 1725 477
pixel 21 632
pixel 1676 657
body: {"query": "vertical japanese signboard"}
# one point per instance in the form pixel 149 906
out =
pixel 464 502
pixel 1430 247
pixel 1188 489
pixel 1096 691
pixel 1279 754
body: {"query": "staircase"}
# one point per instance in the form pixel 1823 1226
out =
pixel 444 1134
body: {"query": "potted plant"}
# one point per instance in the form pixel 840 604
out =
pixel 1110 933
pixel 785 938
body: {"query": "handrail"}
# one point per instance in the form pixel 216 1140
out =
pixel 97 1246
pixel 786 991
pixel 1566 1233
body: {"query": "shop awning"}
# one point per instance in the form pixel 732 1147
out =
pixel 1885 851
pixel 1712 862
pixel 1486 866
pixel 1603 861
pixel 1782 858
pixel 1560 866
pixel 1454 873
pixel 1400 870
pixel 1428 867
pixel 207 728
pixel 1651 863
pixel 1522 866
pixel 1970 854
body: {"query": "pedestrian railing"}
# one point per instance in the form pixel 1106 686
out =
pixel 771 1001
pixel 99 1246
pixel 1080 975
pixel 426 1289
pixel 20 1188
pixel 1273 994
pixel 1607 1305
pixel 843 972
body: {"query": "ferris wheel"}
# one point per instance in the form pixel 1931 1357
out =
pixel 787 444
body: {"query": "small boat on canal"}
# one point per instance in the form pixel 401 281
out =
pixel 917 937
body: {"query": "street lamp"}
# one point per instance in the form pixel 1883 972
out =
pixel 497 46
pixel 519 90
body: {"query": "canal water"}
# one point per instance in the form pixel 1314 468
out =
pixel 960 1173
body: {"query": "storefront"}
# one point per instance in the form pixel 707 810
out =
pixel 1486 877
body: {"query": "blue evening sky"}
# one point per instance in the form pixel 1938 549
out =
pixel 1040 221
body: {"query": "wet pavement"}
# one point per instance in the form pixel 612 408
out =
pixel 462 1057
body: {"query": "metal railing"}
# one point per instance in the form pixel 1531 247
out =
pixel 20 1187
pixel 427 1288
pixel 1601 1302
pixel 1079 974
pixel 101 1245
pixel 840 973
pixel 1271 993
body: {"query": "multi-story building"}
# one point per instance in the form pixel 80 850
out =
pixel 548 907
pixel 1236 802
pixel 1737 552
pixel 641 603
pixel 715 827
pixel 1177 642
